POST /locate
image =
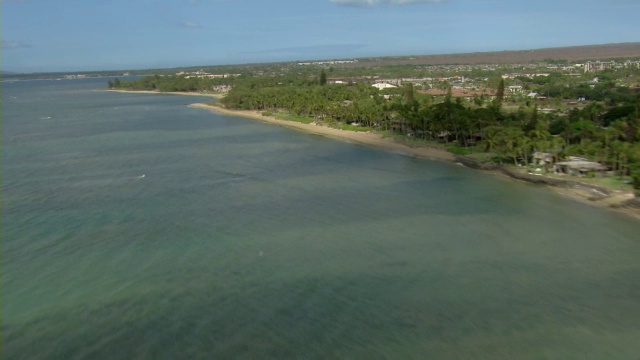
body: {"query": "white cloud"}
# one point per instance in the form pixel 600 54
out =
pixel 371 3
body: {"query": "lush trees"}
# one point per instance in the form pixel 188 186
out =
pixel 323 77
pixel 171 83
pixel 620 112
pixel 500 92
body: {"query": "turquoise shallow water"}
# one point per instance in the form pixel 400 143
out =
pixel 247 240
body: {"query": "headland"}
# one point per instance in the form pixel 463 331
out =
pixel 155 92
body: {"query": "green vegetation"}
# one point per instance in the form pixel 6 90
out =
pixel 323 77
pixel 459 151
pixel 354 128
pixel 171 83
pixel 285 115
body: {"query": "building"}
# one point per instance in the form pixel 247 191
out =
pixel 542 158
pixel 580 167
pixel 593 66
pixel 383 85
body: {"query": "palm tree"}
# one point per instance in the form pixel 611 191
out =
pixel 557 146
pixel 539 133
pixel 593 112
pixel 617 148
pixel 525 144
pixel 511 142
pixel 491 138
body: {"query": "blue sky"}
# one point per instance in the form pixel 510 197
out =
pixel 66 35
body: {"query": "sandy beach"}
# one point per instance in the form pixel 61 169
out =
pixel 364 138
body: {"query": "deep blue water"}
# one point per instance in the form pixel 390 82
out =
pixel 135 227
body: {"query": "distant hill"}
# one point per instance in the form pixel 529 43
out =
pixel 572 54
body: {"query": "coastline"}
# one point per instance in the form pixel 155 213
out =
pixel 614 200
pixel 156 92
pixel 364 138
pixel 619 201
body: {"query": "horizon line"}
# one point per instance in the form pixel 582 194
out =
pixel 496 52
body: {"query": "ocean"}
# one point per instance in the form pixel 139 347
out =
pixel 135 227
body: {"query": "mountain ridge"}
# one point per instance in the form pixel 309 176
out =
pixel 568 53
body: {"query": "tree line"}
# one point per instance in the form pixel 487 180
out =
pixel 607 132
pixel 170 83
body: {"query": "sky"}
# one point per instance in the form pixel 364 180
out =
pixel 92 35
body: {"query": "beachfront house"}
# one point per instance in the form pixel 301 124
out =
pixel 580 167
pixel 542 158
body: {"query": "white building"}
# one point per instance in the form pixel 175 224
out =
pixel 383 85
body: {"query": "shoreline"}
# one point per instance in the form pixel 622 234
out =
pixel 364 138
pixel 619 201
pixel 613 200
pixel 156 92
